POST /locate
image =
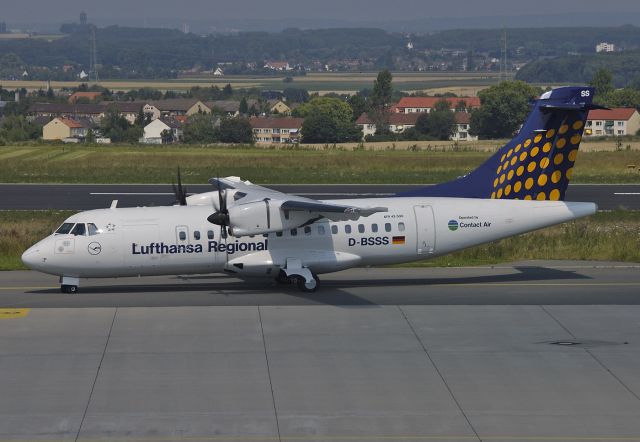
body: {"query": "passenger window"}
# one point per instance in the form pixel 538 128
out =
pixel 307 230
pixel 401 227
pixel 182 235
pixel 294 232
pixel 196 235
pixel 64 229
pixel 361 228
pixel 374 228
pixel 210 234
pixel 334 229
pixel 387 227
pixel 347 228
pixel 93 230
pixel 320 230
pixel 79 230
pixel 278 234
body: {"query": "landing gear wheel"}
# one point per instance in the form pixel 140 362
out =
pixel 282 278
pixel 68 288
pixel 308 287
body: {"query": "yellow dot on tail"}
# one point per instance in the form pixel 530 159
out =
pixel 534 151
pixel 569 173
pixel 547 147
pixel 531 167
pixel 544 163
pixel 499 193
pixel 520 170
pixel 510 175
pixel 541 196
pixel 551 133
pixel 563 129
pixel 542 180
pixel 528 184
pixel 555 176
pixel 517 186
pixel 558 159
pixel 572 155
pixel 527 143
pixel 513 160
pixel 507 190
pixel 577 125
pixel 495 183
pixel 503 157
pixel 537 138
pixel 528 197
pixel 518 147
pixel 499 170
pixel 576 139
pixel 509 153
pixel 523 156
pixel 554 195
pixel 502 177
pixel 493 195
pixel 561 143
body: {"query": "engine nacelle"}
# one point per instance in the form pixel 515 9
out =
pixel 258 217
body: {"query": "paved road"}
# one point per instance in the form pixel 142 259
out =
pixel 93 196
pixel 528 283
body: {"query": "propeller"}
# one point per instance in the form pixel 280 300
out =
pixel 221 216
pixel 179 191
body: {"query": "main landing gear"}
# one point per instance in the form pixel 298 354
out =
pixel 294 273
pixel 69 284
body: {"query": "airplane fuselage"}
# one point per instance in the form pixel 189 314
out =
pixel 179 240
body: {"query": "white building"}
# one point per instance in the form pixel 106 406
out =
pixel 218 72
pixel 612 122
pixel 605 47
pixel 154 130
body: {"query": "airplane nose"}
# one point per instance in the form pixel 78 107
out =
pixel 31 257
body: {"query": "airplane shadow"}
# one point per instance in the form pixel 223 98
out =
pixel 211 290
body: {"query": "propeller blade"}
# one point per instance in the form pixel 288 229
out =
pixel 266 202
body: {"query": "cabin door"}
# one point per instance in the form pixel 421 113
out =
pixel 425 229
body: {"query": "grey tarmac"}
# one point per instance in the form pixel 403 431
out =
pixel 95 196
pixel 402 354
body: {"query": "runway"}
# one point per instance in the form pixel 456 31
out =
pixel 94 196
pixel 526 283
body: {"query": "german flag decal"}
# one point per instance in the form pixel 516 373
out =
pixel 397 240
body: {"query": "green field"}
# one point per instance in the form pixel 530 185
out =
pixel 608 236
pixel 157 164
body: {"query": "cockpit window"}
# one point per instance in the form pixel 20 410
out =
pixel 64 229
pixel 79 230
pixel 93 230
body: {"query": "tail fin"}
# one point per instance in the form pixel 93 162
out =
pixel 538 162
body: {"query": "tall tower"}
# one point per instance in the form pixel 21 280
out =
pixel 503 56
pixel 93 55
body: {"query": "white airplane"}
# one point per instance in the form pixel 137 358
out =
pixel 245 229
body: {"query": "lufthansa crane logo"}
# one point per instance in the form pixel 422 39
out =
pixel 94 248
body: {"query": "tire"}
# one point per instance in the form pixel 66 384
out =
pixel 282 278
pixel 69 289
pixel 300 281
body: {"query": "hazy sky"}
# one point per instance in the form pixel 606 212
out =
pixel 344 10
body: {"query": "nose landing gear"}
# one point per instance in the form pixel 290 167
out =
pixel 69 284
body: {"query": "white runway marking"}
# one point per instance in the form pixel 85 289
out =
pixel 626 193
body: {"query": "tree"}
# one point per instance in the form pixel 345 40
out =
pixel 327 120
pixel 602 80
pixel 380 100
pixel 438 124
pixel 296 95
pixel 227 90
pixel 17 128
pixel 503 109
pixel 236 130
pixel 244 106
pixel 166 136
pixel 358 105
pixel 200 128
pixel 116 127
pixel 337 109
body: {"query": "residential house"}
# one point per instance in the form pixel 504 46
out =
pixel 463 123
pixel 408 105
pixel 605 47
pixel 278 107
pixel 398 123
pixel 128 109
pixel 276 130
pixel 612 122
pixel 153 132
pixel 277 65
pixel 230 108
pixel 180 106
pixel 218 72
pixel 95 112
pixel 86 96
pixel 64 128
